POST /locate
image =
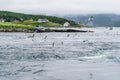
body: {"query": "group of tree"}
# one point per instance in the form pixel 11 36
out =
pixel 10 16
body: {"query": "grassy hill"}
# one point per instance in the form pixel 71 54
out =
pixel 45 24
pixel 10 16
pixel 15 26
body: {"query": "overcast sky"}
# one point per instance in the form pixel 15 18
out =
pixel 61 6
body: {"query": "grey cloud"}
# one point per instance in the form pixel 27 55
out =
pixel 61 6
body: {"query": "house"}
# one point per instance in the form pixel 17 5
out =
pixel 66 24
pixel 21 19
pixel 2 20
pixel 15 21
pixel 31 19
pixel 43 20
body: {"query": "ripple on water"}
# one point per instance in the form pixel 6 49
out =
pixel 22 57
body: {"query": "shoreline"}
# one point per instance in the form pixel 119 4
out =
pixel 46 29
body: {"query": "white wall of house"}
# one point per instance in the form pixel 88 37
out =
pixel 43 20
pixel 2 20
pixel 66 24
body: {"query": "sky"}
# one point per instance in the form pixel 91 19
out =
pixel 61 6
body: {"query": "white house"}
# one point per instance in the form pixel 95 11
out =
pixel 43 20
pixel 66 24
pixel 21 19
pixel 2 20
pixel 31 19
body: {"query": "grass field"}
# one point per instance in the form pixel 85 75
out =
pixel 15 26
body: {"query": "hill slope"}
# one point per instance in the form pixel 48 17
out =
pixel 9 16
pixel 99 19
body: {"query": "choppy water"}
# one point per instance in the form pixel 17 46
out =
pixel 61 56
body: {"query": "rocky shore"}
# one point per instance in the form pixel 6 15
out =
pixel 46 29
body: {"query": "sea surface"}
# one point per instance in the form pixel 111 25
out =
pixel 61 56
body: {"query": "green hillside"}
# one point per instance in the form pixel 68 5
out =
pixel 10 16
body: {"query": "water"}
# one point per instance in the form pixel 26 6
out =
pixel 61 56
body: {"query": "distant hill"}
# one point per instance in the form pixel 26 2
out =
pixel 10 16
pixel 99 19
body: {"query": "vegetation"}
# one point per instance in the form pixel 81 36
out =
pixel 21 22
pixel 15 26
pixel 10 16
pixel 50 24
pixel 29 22
pixel 45 24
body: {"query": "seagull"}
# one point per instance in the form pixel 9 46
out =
pixel 62 43
pixel 85 40
pixel 68 35
pixel 53 44
pixel 45 37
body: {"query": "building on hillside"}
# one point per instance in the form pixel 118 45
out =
pixel 15 21
pixel 2 20
pixel 66 24
pixel 31 19
pixel 43 20
pixel 21 19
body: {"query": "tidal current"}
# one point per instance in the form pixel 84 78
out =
pixel 61 56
